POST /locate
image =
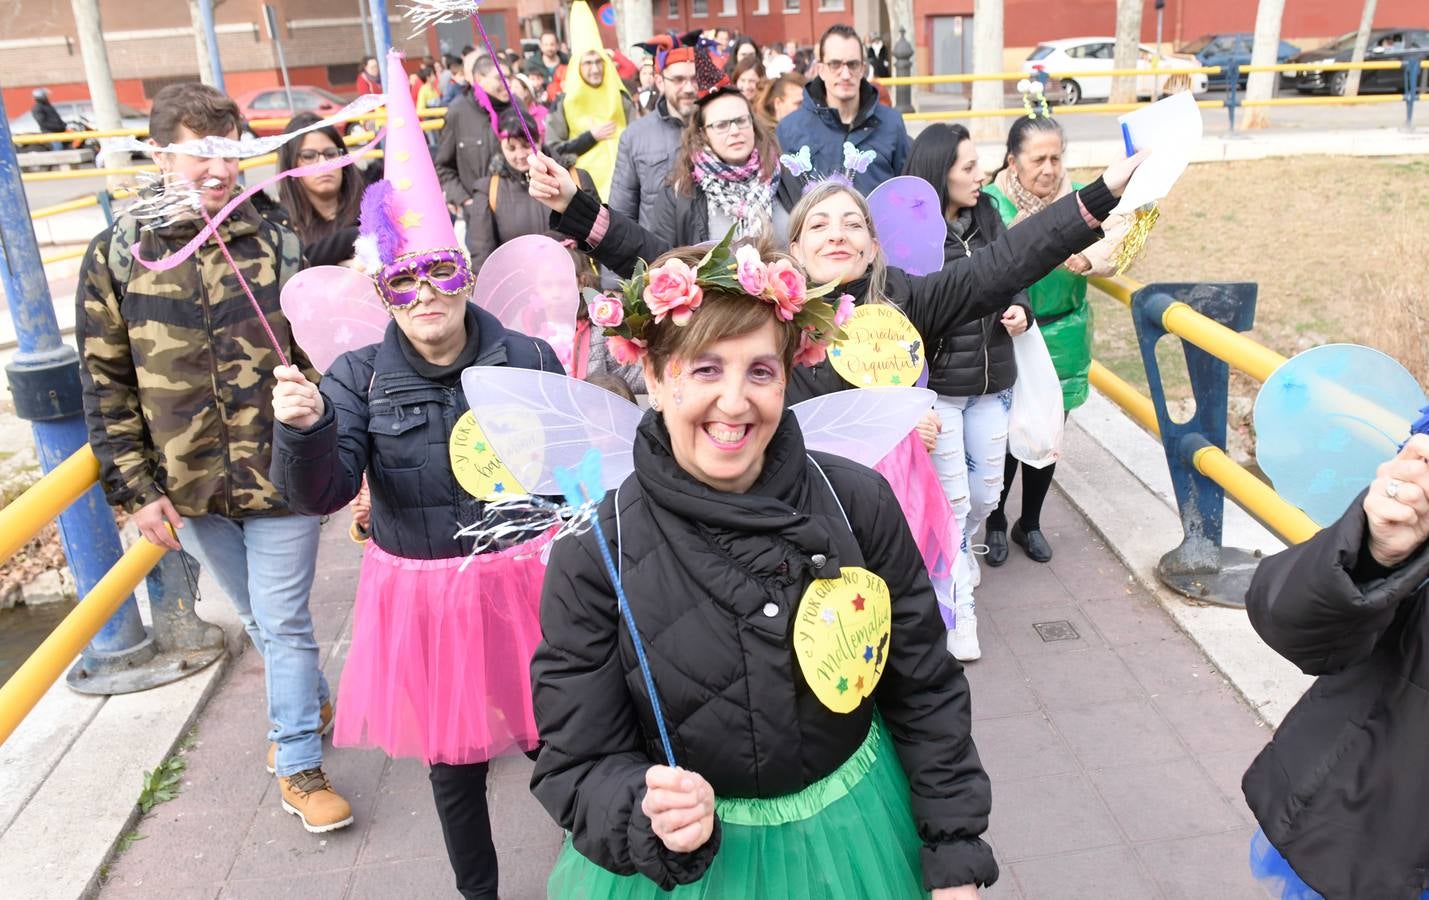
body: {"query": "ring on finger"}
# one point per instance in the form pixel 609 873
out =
pixel 1391 489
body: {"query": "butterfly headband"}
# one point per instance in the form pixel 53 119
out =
pixel 675 290
pixel 801 165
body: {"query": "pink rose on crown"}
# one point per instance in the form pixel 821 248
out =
pixel 625 351
pixel 810 352
pixel 786 286
pixel 672 291
pixel 751 272
pixel 844 312
pixel 607 312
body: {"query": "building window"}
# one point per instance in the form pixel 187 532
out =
pixel 791 6
pixel 700 7
pixel 761 8
pixel 730 8
pixel 672 9
pixel 831 5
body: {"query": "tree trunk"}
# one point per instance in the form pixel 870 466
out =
pixel 1261 85
pixel 1352 81
pixel 1128 49
pixel 987 59
pixel 634 22
pixel 205 64
pixel 96 73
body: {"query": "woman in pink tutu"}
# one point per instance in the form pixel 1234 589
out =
pixel 441 644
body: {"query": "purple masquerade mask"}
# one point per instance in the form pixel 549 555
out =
pixel 447 271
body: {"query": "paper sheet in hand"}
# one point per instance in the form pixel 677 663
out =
pixel 1171 129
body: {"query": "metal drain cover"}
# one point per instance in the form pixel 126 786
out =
pixel 1060 630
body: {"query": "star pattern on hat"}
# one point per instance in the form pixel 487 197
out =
pixel 403 184
pixel 708 76
pixel 410 219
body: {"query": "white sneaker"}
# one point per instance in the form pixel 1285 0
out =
pixel 975 570
pixel 962 637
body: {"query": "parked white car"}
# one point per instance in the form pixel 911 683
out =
pixel 1094 54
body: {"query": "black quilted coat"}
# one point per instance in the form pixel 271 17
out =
pixel 714 580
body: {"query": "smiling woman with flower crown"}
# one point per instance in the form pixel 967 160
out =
pixel 750 564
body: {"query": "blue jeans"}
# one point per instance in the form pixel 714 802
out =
pixel 265 565
pixel 969 459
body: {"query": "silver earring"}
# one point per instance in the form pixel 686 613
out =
pixel 655 405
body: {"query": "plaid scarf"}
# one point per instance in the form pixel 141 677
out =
pixel 1028 203
pixel 736 191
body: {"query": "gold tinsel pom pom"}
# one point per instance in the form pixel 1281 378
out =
pixel 1131 245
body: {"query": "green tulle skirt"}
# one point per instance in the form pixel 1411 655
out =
pixel 848 835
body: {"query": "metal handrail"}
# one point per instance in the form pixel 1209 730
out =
pixel 1113 73
pixel 377 115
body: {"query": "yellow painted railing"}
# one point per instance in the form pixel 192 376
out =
pixel 20 521
pixel 1234 348
pixel 377 115
pixel 1380 65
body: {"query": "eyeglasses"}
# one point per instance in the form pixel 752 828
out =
pixel 308 157
pixel 854 66
pixel 724 126
pixel 679 81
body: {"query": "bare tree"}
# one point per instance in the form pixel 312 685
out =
pixel 1261 85
pixel 987 59
pixel 1352 77
pixel 1128 49
pixel 97 74
pixel 205 64
pixel 634 21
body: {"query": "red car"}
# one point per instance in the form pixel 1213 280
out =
pixel 272 103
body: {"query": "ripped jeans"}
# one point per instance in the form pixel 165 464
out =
pixel 969 460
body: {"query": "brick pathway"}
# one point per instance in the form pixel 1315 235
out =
pixel 1115 751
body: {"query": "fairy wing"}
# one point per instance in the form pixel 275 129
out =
pixel 910 225
pixel 864 424
pixel 333 309
pixel 530 285
pixel 1326 419
pixel 538 422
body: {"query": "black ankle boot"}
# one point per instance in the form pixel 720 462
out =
pixel 1032 541
pixel 996 546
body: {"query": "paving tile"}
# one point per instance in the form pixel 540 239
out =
pixel 403 826
pixel 117 889
pixel 1020 582
pixel 184 849
pixel 1112 873
pixel 1082 678
pixel 416 878
pixel 1117 733
pixel 1165 800
pixel 276 844
pixel 1054 814
pixel 1171 666
pixel 1226 771
pixel 1021 747
pixel 1017 626
pixel 316 886
pixel 525 870
pixel 1004 889
pixel 1214 721
pixel 1209 866
pixel 1129 617
pixel 523 822
pixel 999 687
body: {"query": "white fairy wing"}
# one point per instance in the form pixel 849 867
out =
pixel 863 424
pixel 529 283
pixel 1326 419
pixel 333 309
pixel 540 421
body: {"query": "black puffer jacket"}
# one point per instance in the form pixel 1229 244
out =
pixel 970 287
pixel 681 220
pixel 714 582
pixel 1341 791
pixel 976 357
pixel 383 418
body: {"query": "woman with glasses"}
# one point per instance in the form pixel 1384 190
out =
pixel 726 175
pixel 322 209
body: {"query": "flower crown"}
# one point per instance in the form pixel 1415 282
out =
pixel 675 290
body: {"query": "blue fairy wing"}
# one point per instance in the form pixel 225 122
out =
pixel 863 424
pixel 538 422
pixel 1326 419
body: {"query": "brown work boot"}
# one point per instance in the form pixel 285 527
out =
pixel 310 797
pixel 325 725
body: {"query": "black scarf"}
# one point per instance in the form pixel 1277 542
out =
pixel 448 375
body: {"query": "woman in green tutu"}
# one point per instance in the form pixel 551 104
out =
pixel 822 732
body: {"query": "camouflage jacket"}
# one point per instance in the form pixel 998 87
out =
pixel 178 370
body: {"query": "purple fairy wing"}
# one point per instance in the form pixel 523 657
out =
pixel 530 285
pixel 333 309
pixel 910 224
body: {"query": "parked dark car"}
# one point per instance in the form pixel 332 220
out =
pixel 1385 44
pixel 1224 49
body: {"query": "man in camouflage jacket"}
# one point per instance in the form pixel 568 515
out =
pixel 178 384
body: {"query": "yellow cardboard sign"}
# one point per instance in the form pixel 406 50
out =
pixel 841 636
pixel 881 348
pixel 475 464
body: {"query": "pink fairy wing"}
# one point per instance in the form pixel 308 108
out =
pixel 333 309
pixel 910 226
pixel 530 285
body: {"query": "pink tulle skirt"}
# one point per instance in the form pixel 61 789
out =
pixel 909 470
pixel 440 663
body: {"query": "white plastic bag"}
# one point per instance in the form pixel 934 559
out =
pixel 1034 429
